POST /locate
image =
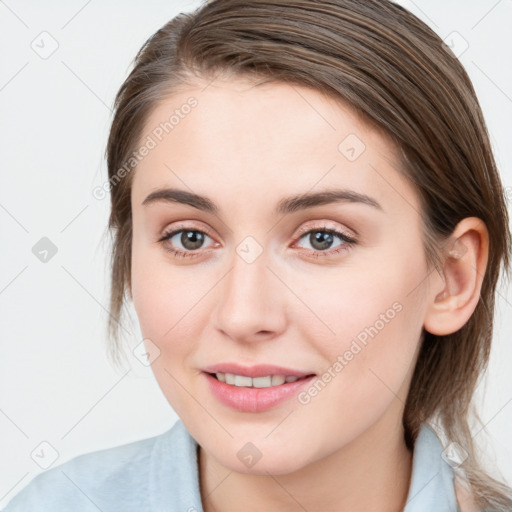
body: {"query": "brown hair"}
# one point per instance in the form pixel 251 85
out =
pixel 398 75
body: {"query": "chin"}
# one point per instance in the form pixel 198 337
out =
pixel 267 463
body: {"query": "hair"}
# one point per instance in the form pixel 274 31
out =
pixel 397 75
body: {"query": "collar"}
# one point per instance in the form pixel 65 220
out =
pixel 432 480
pixel 174 477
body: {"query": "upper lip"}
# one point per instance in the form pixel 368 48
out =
pixel 259 370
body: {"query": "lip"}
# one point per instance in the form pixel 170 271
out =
pixel 259 370
pixel 249 399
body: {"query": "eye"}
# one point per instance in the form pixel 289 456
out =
pixel 190 238
pixel 322 238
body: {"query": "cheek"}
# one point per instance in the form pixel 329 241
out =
pixel 164 307
pixel 171 303
pixel 377 316
pixel 149 298
pixel 155 294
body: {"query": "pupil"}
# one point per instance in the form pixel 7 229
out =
pixel 321 239
pixel 192 239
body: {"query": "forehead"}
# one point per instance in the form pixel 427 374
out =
pixel 242 139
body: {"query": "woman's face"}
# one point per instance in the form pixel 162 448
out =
pixel 266 280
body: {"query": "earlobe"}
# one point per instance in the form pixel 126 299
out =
pixel 455 296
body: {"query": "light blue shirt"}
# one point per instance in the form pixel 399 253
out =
pixel 160 474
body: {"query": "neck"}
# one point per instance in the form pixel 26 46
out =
pixel 372 473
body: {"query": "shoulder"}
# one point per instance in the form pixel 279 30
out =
pixel 453 485
pixel 435 484
pixel 109 479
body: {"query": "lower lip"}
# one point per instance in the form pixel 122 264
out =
pixel 246 399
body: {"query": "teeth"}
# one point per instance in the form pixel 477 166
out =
pixel 262 382
pixel 242 381
pixel 277 380
pixel 256 382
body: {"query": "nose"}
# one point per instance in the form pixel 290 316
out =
pixel 250 301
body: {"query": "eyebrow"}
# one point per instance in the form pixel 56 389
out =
pixel 284 206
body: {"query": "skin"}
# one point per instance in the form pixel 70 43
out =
pixel 246 147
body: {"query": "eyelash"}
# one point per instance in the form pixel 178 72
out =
pixel 348 241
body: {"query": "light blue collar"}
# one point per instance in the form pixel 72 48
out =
pixel 174 482
pixel 432 481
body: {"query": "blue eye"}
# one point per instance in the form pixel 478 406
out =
pixel 193 239
pixel 321 240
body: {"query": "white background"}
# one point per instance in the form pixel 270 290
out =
pixel 56 383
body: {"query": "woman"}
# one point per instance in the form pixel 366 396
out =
pixel 308 218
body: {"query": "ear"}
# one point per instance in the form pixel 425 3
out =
pixel 454 296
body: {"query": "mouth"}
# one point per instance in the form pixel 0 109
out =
pixel 266 381
pixel 255 394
